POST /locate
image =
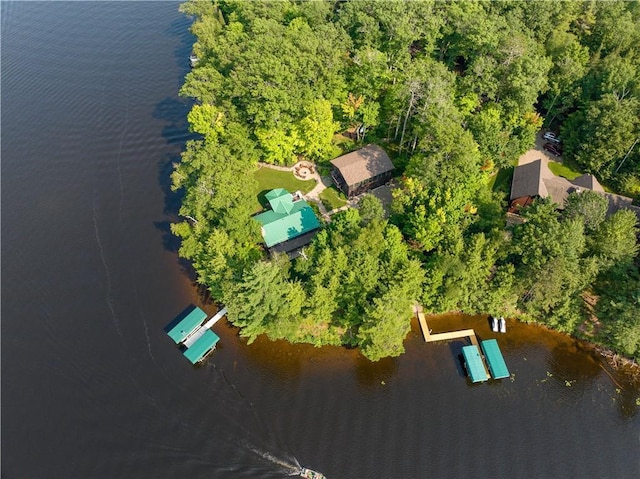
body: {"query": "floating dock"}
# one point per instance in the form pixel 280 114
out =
pixel 187 326
pixel 475 365
pixel 197 333
pixel 195 336
pixel 203 346
pixel 494 358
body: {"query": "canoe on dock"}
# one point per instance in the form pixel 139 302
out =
pixel 494 324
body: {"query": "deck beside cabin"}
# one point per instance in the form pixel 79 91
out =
pixel 494 358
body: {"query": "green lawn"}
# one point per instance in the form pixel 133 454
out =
pixel 332 198
pixel 560 169
pixel 269 179
pixel 501 181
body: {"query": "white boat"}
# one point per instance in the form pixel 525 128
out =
pixel 193 60
pixel 494 324
pixel 311 474
pixel 503 325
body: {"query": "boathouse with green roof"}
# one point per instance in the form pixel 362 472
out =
pixel 289 217
pixel 495 360
pixel 187 325
pixel 475 366
pixel 203 346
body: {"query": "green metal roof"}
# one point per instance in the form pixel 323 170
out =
pixel 280 200
pixel 278 227
pixel 492 352
pixel 202 346
pixel 474 363
pixel 187 325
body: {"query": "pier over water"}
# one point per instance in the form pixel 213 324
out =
pixel 476 365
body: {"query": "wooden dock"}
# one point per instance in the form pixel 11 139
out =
pixel 463 333
pixel 428 337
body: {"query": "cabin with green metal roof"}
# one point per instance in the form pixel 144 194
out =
pixel 187 325
pixel 495 360
pixel 203 346
pixel 287 219
pixel 475 366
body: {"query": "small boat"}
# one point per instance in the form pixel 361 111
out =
pixel 193 60
pixel 311 474
pixel 494 324
pixel 503 325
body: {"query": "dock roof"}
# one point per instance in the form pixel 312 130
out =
pixel 202 346
pixel 187 325
pixel 492 353
pixel 472 358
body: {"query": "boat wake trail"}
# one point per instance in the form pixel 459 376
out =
pixel 122 136
pixel 114 317
pixel 290 468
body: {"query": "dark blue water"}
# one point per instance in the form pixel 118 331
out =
pixel 93 388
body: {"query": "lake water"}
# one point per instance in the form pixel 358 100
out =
pixel 93 388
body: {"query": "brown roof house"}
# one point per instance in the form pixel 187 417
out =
pixel 361 170
pixel 535 179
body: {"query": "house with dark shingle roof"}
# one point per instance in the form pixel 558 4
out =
pixel 361 170
pixel 535 179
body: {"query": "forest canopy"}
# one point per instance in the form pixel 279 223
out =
pixel 455 92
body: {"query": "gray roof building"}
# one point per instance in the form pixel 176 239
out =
pixel 535 179
pixel 361 170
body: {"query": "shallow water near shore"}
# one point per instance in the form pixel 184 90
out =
pixel 92 387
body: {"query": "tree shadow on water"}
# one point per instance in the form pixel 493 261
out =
pixel 375 374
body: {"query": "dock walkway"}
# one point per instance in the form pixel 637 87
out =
pixel 428 337
pixel 197 334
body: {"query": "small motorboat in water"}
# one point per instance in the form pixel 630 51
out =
pixel 494 324
pixel 193 60
pixel 311 474
pixel 503 325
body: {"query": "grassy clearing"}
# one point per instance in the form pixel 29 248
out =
pixel 501 181
pixel 566 171
pixel 269 179
pixel 345 143
pixel 332 198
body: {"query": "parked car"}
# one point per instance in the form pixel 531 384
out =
pixel 550 147
pixel 551 136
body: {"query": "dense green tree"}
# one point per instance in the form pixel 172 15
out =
pixel 550 265
pixel 371 209
pixel 599 137
pixel 264 301
pixel 453 90
pixel 316 130
pixel 588 206
pixel 615 240
pixel 618 308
